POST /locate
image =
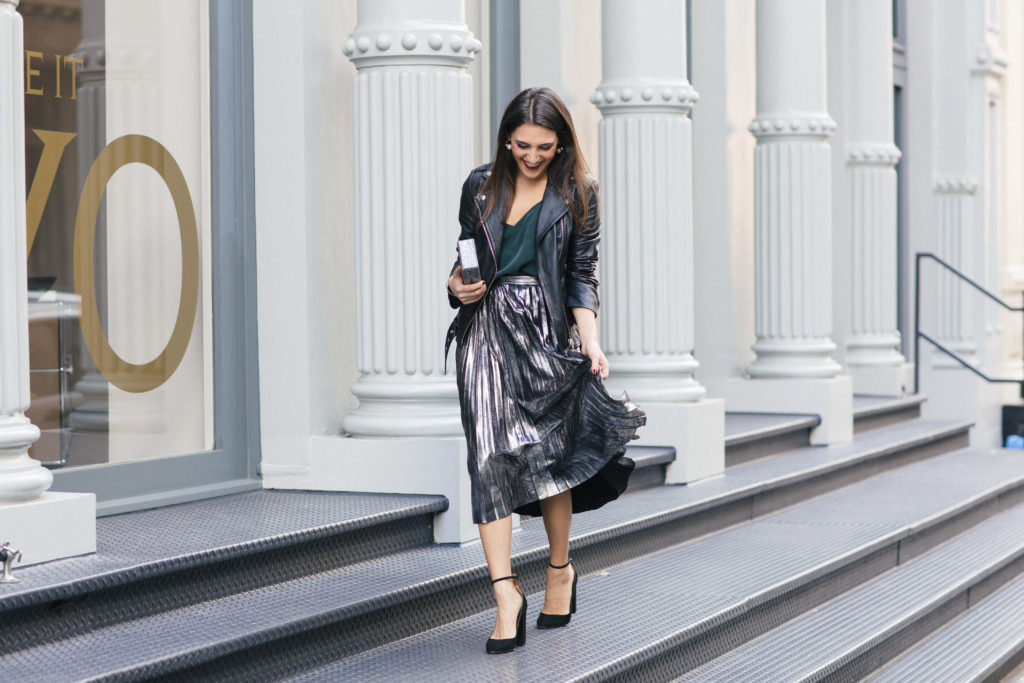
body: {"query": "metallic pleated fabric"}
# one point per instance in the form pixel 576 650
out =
pixel 537 420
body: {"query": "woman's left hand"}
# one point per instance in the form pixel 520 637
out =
pixel 598 363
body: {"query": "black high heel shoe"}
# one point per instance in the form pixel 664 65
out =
pixel 558 620
pixel 499 645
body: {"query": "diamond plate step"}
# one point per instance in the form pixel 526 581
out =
pixel 700 596
pixel 657 616
pixel 169 557
pixel 985 644
pixel 850 636
pixel 352 608
pixel 651 462
pixel 749 436
pixel 873 412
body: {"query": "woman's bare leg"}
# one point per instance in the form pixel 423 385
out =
pixel 496 538
pixel 557 511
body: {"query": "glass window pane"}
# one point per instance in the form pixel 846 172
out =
pixel 118 213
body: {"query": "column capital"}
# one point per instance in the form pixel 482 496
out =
pixel 411 43
pixel 955 185
pixel 668 96
pixel 872 154
pixel 790 125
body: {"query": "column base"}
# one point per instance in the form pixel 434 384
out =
pixel 411 466
pixel 831 399
pixel 894 380
pixel 958 394
pixel 696 430
pixel 51 527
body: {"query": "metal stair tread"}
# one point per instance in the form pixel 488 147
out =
pixel 746 427
pixel 682 592
pixel 819 642
pixel 971 647
pixel 245 619
pixel 137 544
pixel 868 406
pixel 650 456
pixel 155 541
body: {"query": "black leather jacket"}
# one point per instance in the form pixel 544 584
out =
pixel 566 257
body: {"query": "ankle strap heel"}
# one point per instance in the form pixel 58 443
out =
pixel 498 646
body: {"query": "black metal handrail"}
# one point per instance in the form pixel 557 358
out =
pixel 918 334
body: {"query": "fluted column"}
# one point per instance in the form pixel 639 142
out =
pixel 413 142
pixel 792 209
pixel 21 477
pixel 646 152
pixel 954 187
pixel 872 349
pixel 954 207
pixel 647 314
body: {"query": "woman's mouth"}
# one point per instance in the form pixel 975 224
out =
pixel 531 167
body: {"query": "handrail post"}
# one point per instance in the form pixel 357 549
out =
pixel 917 323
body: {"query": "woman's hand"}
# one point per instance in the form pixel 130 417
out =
pixel 586 323
pixel 467 294
pixel 598 363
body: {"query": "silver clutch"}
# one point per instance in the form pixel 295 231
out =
pixel 468 261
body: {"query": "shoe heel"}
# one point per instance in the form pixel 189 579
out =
pixel 572 601
pixel 521 625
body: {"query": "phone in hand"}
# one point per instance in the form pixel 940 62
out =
pixel 468 261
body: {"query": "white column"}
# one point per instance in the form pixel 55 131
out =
pixel 21 477
pixel 42 526
pixel 647 320
pixel 872 349
pixel 414 134
pixel 794 370
pixel 954 186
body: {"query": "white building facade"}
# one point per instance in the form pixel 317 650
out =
pixel 238 219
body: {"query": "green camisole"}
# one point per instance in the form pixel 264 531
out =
pixel 518 246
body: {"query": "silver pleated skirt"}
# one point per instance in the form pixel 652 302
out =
pixel 537 420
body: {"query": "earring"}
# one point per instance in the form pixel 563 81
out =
pixel 508 146
pixel 559 150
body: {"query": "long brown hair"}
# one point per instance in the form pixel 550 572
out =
pixel 567 171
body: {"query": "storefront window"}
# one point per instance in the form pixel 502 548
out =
pixel 117 155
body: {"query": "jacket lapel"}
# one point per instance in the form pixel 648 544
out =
pixel 551 209
pixel 494 226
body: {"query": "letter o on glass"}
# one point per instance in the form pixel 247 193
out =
pixel 131 377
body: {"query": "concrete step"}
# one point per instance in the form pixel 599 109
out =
pixel 663 614
pixel 166 558
pixel 850 636
pixel 984 644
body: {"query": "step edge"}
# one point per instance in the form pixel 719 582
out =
pixel 963 584
pixel 800 422
pixel 990 664
pixel 120 577
pixel 213 650
pixel 170 565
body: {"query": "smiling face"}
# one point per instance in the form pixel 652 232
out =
pixel 533 147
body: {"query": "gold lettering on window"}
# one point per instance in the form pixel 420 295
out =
pixel 30 72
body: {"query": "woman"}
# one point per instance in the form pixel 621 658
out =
pixel 544 436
